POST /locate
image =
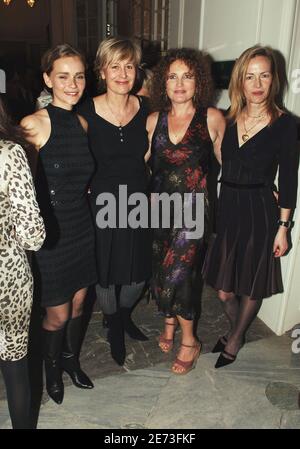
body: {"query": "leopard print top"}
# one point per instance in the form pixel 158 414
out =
pixel 21 228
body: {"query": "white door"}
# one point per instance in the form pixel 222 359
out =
pixel 292 311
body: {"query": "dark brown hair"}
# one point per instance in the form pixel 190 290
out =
pixel 198 64
pixel 57 52
pixel 9 131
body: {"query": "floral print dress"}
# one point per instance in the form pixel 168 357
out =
pixel 180 168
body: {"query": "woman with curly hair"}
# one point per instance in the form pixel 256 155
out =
pixel 182 132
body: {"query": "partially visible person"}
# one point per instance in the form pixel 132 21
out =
pixel 43 99
pixel 65 266
pixel 118 138
pixel 143 83
pixel 243 262
pixel 21 229
pixel 17 99
pixel 184 134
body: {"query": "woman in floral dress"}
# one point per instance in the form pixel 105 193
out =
pixel 182 134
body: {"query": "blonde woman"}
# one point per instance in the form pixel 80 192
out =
pixel 243 263
pixel 118 139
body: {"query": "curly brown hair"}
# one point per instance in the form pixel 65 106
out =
pixel 198 64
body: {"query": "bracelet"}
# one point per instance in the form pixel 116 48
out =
pixel 286 224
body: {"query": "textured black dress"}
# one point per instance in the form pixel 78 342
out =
pixel 240 258
pixel 66 262
pixel 123 254
pixel 180 168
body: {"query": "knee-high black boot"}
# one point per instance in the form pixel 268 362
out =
pixel 130 328
pixel 52 352
pixel 70 355
pixel 115 337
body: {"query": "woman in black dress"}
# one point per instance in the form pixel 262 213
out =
pixel 183 134
pixel 244 259
pixel 118 139
pixel 66 263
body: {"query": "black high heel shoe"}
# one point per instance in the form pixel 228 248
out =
pixel 223 361
pixel 220 346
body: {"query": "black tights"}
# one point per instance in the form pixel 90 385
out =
pixel 125 295
pixel 240 314
pixel 16 379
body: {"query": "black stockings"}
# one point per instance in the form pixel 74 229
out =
pixel 240 316
pixel 15 374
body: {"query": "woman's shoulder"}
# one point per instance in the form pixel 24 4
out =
pixel 12 151
pixel 215 115
pixel 86 107
pixel 152 121
pixel 287 117
pixel 285 123
pixel 34 120
pixel 9 146
pixel 144 102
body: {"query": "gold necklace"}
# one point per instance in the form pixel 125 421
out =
pixel 120 122
pixel 178 132
pixel 254 116
pixel 246 136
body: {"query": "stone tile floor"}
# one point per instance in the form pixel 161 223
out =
pixel 95 352
pixel 260 390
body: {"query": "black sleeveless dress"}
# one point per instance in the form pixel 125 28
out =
pixel 180 168
pixel 123 254
pixel 66 262
pixel 240 257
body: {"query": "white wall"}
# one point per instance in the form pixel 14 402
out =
pixel 282 312
pixel 224 28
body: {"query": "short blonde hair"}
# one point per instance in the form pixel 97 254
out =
pixel 238 76
pixel 116 49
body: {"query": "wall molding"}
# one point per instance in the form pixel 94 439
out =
pixel 181 22
pixel 260 13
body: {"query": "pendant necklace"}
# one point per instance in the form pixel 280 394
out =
pixel 178 133
pixel 246 135
pixel 120 122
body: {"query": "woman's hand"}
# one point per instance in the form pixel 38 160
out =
pixel 276 194
pixel 280 243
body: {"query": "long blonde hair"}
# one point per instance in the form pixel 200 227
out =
pixel 236 85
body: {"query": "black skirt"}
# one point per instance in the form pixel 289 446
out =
pixel 123 254
pixel 66 263
pixel 240 256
